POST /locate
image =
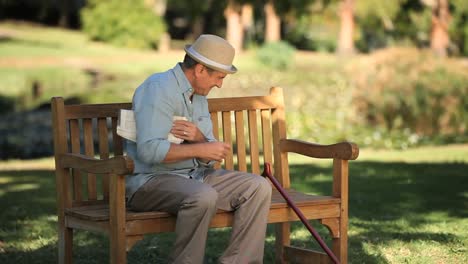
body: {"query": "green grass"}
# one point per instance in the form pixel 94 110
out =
pixel 26 41
pixel 405 207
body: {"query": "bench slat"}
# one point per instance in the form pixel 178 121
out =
pixel 253 140
pixel 227 138
pixel 75 148
pixel 104 153
pixel 89 151
pixel 266 136
pixel 240 141
pixel 215 122
pixel 118 144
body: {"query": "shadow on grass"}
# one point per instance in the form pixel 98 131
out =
pixel 388 191
pixel 26 195
pixel 387 199
pixel 382 196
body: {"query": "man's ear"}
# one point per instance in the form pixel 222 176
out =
pixel 199 68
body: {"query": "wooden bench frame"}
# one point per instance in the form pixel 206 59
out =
pixel 103 209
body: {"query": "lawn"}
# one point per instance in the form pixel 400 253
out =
pixel 405 207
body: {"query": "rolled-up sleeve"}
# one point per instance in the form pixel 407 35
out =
pixel 153 117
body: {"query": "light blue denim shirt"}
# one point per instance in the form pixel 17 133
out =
pixel 155 102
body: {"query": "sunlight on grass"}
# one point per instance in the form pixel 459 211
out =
pixel 403 241
pixel 16 187
pixel 301 234
pixel 419 252
pixel 27 235
pixel 432 154
pixel 47 163
pixel 448 153
pixel 26 41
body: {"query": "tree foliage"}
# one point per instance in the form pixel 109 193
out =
pixel 122 22
pixel 459 25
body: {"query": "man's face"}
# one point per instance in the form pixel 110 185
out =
pixel 207 79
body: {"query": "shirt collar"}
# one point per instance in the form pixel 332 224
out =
pixel 184 85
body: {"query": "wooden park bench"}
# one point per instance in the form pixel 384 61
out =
pixel 91 168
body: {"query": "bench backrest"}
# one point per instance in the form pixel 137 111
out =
pixel 252 125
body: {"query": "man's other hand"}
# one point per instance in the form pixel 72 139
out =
pixel 187 131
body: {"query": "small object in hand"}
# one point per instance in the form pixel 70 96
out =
pixel 171 137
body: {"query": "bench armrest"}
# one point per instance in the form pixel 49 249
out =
pixel 342 150
pixel 120 165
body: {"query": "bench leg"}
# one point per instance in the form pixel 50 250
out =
pixel 340 245
pixel 117 236
pixel 65 245
pixel 282 239
pixel 338 229
pixel 340 248
pixel 118 252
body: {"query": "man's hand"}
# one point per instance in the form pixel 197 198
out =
pixel 204 151
pixel 187 131
pixel 214 151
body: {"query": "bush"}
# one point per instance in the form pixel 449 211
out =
pixel 124 23
pixel 409 90
pixel 277 55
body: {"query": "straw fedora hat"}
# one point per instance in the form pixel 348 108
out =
pixel 213 52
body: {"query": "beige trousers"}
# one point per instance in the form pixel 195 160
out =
pixel 195 203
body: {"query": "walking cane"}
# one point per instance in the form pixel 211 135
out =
pixel 267 173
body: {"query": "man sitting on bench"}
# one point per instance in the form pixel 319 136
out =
pixel 175 151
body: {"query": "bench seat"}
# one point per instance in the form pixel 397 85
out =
pixel 100 212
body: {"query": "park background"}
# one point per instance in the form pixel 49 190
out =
pixel 391 76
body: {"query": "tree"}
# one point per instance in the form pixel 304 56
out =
pixel 247 17
pixel 272 23
pixel 234 27
pixel 197 14
pixel 382 23
pixel 159 8
pixel 459 26
pixel 440 39
pixel 64 13
pixel 345 40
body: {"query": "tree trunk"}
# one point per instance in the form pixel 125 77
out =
pixel 234 29
pixel 159 8
pixel 439 33
pixel 64 10
pixel 272 23
pixel 247 22
pixel 345 41
pixel 197 27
